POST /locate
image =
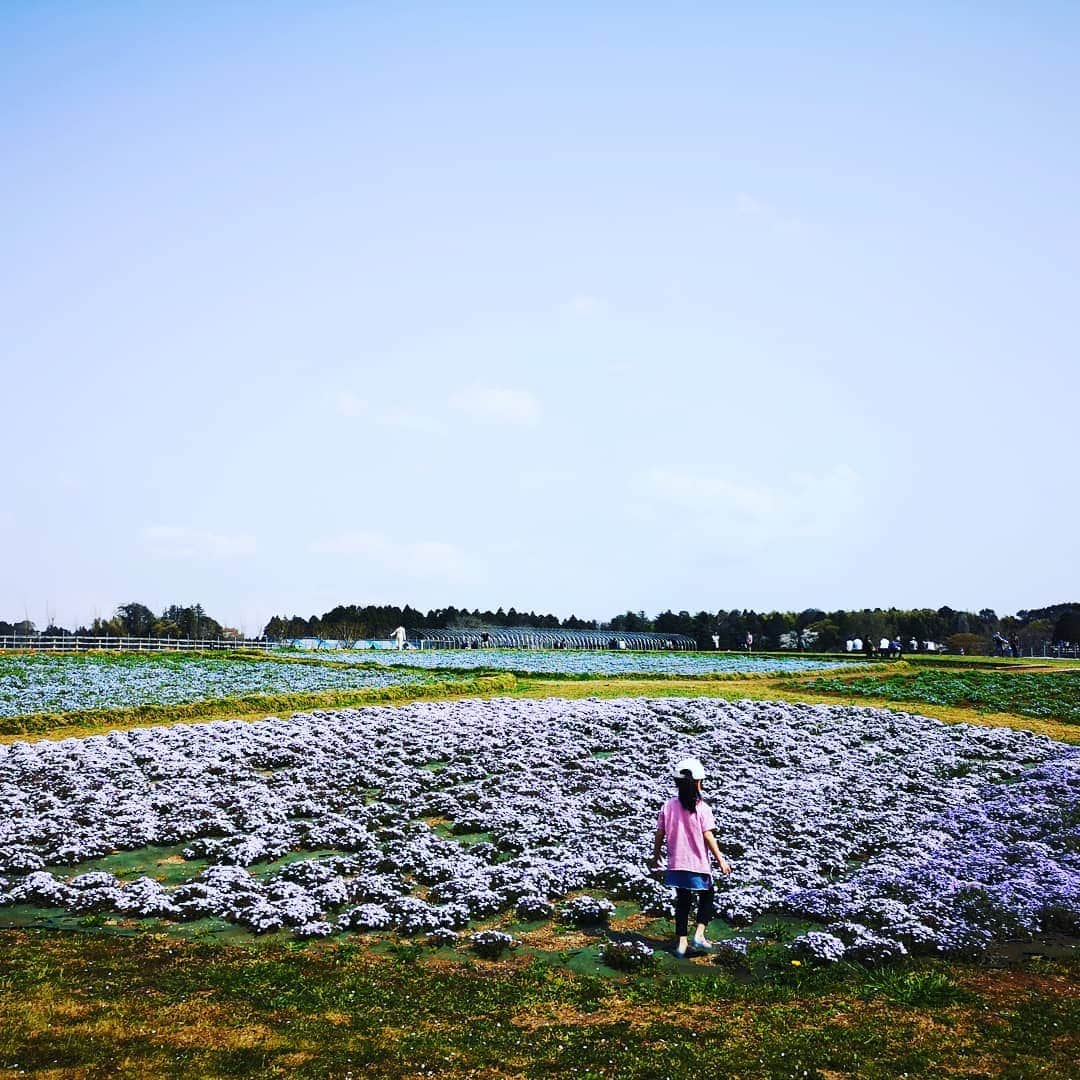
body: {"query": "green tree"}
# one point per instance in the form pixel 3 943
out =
pixel 829 637
pixel 137 620
pixel 1067 628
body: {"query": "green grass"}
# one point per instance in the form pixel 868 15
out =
pixel 917 988
pixel 1052 695
pixel 148 1006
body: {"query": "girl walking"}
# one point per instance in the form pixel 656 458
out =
pixel 687 824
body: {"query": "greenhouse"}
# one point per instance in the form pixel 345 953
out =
pixel 528 637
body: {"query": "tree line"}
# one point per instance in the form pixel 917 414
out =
pixel 136 620
pixel 812 628
pixel 826 631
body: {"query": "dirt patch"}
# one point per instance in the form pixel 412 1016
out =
pixel 555 938
pixel 632 1015
pixel 1011 985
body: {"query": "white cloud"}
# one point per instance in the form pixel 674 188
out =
pixel 350 405
pixel 176 542
pixel 419 559
pixel 496 405
pixel 411 421
pixel 803 506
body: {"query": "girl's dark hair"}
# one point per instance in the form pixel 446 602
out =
pixel 689 796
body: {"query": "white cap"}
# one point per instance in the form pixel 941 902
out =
pixel 689 765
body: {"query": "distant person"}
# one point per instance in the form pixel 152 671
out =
pixel 716 641
pixel 749 642
pixel 1014 644
pixel 686 826
pixel 868 646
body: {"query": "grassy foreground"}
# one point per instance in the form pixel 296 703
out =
pixel 86 1006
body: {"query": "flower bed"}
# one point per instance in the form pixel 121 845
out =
pixel 584 662
pixel 57 682
pixel 891 833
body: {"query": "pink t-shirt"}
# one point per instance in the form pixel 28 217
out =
pixel 685 833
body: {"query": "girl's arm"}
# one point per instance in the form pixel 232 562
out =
pixel 657 845
pixel 714 847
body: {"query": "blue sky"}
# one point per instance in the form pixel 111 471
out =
pixel 575 308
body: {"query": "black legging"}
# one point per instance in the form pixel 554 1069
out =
pixel 705 908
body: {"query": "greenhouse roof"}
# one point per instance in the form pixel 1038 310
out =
pixel 529 637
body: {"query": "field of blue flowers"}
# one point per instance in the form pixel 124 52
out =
pixel 58 682
pixel 884 834
pixel 576 662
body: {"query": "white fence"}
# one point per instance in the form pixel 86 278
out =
pixel 64 643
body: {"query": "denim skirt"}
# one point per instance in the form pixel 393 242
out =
pixel 687 879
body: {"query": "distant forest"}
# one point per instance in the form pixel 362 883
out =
pixel 825 631
pixel 810 629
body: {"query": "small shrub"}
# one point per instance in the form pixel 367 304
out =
pixel 627 955
pixel 491 944
pixel 731 952
pixel 586 911
pixel 442 936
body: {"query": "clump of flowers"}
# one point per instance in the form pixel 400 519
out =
pixel 731 951
pixel 19 859
pixel 491 944
pixel 586 911
pixel 627 955
pixel 316 929
pixel 443 936
pixel 365 917
pixel 865 944
pixel 534 907
pixel 818 947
